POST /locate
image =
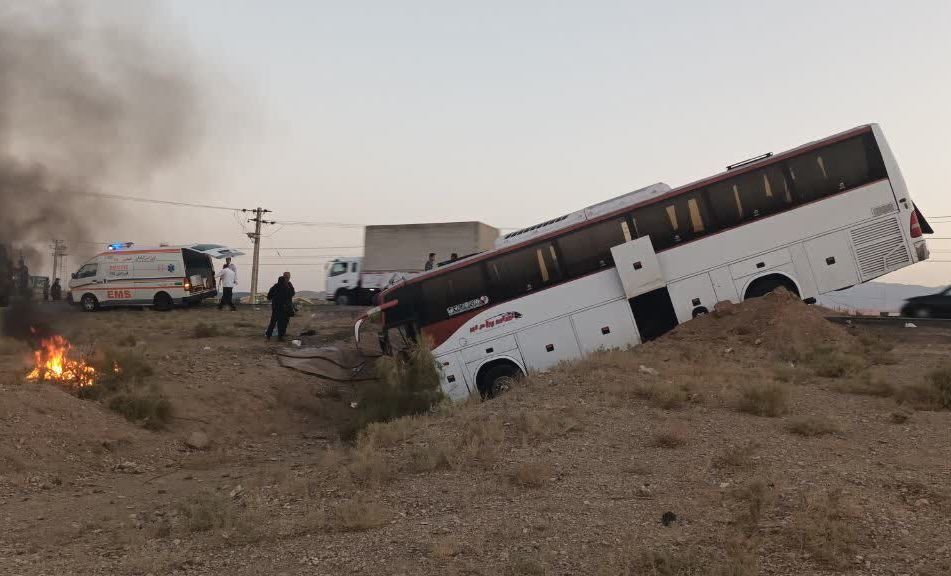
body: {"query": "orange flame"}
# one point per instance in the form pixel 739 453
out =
pixel 52 363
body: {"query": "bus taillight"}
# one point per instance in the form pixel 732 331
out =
pixel 915 225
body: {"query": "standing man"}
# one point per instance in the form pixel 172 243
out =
pixel 431 263
pixel 23 280
pixel 56 291
pixel 281 296
pixel 227 280
pixel 234 268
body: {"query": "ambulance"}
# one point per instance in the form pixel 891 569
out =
pixel 161 277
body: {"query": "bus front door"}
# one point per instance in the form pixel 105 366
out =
pixel 645 287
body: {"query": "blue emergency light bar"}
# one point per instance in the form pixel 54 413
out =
pixel 120 245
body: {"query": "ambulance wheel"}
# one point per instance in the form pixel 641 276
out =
pixel 162 302
pixel 89 302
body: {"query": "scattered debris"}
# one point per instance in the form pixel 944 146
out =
pixel 668 518
pixel 646 370
pixel 910 325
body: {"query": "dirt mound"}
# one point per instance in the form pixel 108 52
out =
pixel 779 324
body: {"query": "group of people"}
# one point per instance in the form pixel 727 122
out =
pixel 281 297
pixel 24 287
pixel 431 261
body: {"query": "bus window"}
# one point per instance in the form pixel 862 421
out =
pixel 524 271
pixel 751 195
pixel 405 308
pixel 589 249
pixel 673 221
pixel 450 289
pixel 832 169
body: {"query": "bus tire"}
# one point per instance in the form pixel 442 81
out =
pixel 342 298
pixel 89 303
pixel 162 302
pixel 497 379
pixel 921 312
pixel 766 284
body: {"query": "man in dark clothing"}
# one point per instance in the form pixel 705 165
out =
pixel 23 280
pixel 56 291
pixel 281 296
pixel 431 263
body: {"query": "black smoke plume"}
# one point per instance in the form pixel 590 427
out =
pixel 87 104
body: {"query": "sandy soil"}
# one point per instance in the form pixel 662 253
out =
pixel 634 462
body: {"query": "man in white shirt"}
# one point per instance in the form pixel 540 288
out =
pixel 227 280
pixel 230 264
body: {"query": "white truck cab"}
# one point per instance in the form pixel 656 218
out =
pixel 343 280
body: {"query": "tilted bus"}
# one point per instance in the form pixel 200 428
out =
pixel 818 218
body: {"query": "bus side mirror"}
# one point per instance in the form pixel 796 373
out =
pixel 73 275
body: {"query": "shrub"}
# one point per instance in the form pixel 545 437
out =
pixel 431 457
pixel 831 363
pixel 811 426
pixel 736 456
pixel 407 384
pixel 672 438
pixel 763 400
pixel 356 516
pixel 531 474
pixel 203 330
pixel 206 511
pixel 755 498
pixel 868 385
pixel 940 380
pixel 121 384
pixel 827 528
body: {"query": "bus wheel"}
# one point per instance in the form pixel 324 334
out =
pixel 766 284
pixel 162 302
pixel 498 379
pixel 342 299
pixel 89 303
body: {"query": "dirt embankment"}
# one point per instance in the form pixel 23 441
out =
pixel 758 440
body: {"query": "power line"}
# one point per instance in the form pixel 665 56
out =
pixel 155 201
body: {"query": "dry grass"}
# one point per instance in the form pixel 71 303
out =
pixel 769 399
pixel 736 456
pixel 832 363
pixel 541 424
pixel 206 511
pixel 369 466
pixel 444 548
pixel 673 437
pixel 828 528
pixel 356 516
pixel 122 384
pixel 204 330
pixel 431 457
pixel 790 373
pixel 531 474
pixel 754 499
pixel 525 566
pixel 900 416
pixel 389 434
pixel 867 385
pixel 811 426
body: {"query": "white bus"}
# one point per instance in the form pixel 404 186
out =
pixel 822 217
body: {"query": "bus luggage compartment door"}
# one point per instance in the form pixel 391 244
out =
pixel 638 267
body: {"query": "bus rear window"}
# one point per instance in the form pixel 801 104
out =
pixel 835 168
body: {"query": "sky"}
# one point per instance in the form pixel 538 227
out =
pixel 380 112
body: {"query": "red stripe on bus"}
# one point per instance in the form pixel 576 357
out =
pixel 440 331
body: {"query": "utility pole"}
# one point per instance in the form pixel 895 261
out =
pixel 256 238
pixel 59 260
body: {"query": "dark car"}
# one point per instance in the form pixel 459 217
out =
pixel 930 306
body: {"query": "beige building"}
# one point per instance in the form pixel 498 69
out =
pixel 405 247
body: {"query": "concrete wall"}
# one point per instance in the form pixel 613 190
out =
pixel 405 247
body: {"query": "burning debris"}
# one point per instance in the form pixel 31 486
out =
pixel 51 363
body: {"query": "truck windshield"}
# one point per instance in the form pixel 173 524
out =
pixel 338 268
